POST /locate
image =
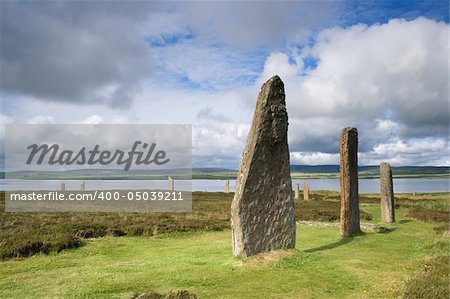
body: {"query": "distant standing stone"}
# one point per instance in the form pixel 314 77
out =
pixel 63 187
pixel 387 194
pixel 297 191
pixel 262 211
pixel 305 192
pixel 170 183
pixel 227 186
pixel 349 182
pixel 82 186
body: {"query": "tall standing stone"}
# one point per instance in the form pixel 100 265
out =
pixel 297 191
pixel 170 183
pixel 305 192
pixel 349 182
pixel 387 194
pixel 262 211
pixel 63 187
pixel 82 186
pixel 227 186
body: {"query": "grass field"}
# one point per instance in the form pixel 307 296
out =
pixel 25 234
pixel 411 260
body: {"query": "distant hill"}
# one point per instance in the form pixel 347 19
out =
pixel 373 169
pixel 369 169
pixel 212 170
pixel 315 168
pixel 298 171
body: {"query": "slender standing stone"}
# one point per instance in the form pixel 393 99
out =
pixel 82 186
pixel 262 211
pixel 63 187
pixel 387 194
pixel 305 192
pixel 349 182
pixel 171 184
pixel 227 186
pixel 297 191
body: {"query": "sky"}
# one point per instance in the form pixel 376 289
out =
pixel 380 66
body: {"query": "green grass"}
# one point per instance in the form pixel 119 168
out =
pixel 25 234
pixel 192 251
pixel 372 265
pixel 429 282
pixel 439 201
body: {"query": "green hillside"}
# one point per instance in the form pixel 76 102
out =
pixel 298 171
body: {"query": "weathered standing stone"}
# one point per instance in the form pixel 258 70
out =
pixel 170 183
pixel 387 194
pixel 297 191
pixel 262 211
pixel 349 182
pixel 227 186
pixel 63 187
pixel 82 186
pixel 305 192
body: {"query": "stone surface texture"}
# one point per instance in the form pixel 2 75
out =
pixel 349 182
pixel 262 211
pixel 387 194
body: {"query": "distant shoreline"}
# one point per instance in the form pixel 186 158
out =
pixel 297 172
pixel 214 176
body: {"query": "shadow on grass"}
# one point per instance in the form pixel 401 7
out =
pixel 341 242
pixel 404 221
pixel 388 230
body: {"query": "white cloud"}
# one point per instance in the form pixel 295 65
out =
pixel 400 147
pixel 412 152
pixel 389 80
pixel 42 119
pixel 4 119
pixel 257 24
pixel 278 64
pixel 364 71
pixel 205 66
pixel 316 158
pixel 85 52
pixel 386 126
pixel 92 120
